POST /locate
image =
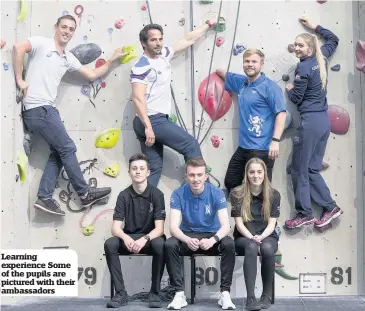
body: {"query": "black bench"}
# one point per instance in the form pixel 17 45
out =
pixel 193 277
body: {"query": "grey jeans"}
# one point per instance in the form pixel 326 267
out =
pixel 46 122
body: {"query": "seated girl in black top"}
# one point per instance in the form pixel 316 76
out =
pixel 255 207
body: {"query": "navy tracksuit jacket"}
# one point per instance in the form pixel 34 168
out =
pixel 309 144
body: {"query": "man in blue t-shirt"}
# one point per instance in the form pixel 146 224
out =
pixel 262 116
pixel 199 223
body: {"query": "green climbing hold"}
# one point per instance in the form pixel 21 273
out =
pixel 206 1
pixel 173 118
pixel 88 230
pixel 221 25
pixel 209 169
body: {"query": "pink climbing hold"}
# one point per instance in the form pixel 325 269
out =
pixel 213 94
pixel 143 8
pixel 100 62
pixel 360 56
pixel 339 118
pixel 215 141
pixel 291 48
pixel 219 41
pixel 119 23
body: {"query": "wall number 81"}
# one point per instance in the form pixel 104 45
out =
pixel 337 275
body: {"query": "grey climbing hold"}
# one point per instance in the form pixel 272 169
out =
pixel 27 144
pixel 86 53
pixel 285 77
pixel 182 21
pixel 336 67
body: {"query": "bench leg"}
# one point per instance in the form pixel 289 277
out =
pixel 192 275
pixel 273 291
pixel 111 288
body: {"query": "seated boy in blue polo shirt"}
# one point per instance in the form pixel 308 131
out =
pixel 199 223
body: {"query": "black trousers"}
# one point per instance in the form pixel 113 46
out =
pixel 115 246
pixel 174 249
pixel 249 249
pixel 236 167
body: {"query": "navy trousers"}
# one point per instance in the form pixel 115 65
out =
pixel 169 134
pixel 309 146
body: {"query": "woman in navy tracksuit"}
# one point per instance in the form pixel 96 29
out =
pixel 309 95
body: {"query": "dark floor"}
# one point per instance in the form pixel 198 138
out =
pixel 344 303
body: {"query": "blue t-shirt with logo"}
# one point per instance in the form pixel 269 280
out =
pixel 259 102
pixel 199 212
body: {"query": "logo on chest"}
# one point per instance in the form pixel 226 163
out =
pixel 151 207
pixel 207 209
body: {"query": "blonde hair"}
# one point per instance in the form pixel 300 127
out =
pixel 251 51
pixel 313 43
pixel 242 193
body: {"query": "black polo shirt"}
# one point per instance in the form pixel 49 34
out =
pixel 258 224
pixel 139 211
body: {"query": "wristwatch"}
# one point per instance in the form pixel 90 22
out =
pixel 147 237
pixel 216 238
pixel 275 139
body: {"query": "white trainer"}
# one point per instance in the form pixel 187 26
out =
pixel 178 302
pixel 225 301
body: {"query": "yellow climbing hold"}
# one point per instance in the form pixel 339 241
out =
pixel 22 162
pixel 23 10
pixel 132 53
pixel 112 170
pixel 88 230
pixel 108 138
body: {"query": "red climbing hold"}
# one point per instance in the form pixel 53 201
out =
pixel 215 141
pixel 103 84
pixel 213 95
pixel 339 118
pixel 143 8
pixel 99 62
pixel 360 56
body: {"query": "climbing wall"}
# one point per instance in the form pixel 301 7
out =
pixel 333 259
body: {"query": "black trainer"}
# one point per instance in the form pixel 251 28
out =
pixel 154 301
pixel 50 206
pixel 265 301
pixel 252 304
pixel 94 195
pixel 119 299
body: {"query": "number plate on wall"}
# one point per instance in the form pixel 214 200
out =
pixel 312 283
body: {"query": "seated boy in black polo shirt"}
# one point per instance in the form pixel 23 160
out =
pixel 141 209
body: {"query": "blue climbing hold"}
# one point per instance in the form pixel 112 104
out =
pixel 336 67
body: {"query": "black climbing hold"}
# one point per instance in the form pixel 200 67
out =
pixel 285 77
pixel 336 67
pixel 86 53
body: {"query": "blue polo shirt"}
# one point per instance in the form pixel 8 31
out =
pixel 259 102
pixel 199 212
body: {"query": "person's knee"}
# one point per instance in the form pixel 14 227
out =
pixel 192 149
pixel 251 249
pixel 111 245
pixel 67 149
pixel 158 245
pixel 228 245
pixel 268 249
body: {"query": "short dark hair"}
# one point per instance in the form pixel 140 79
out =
pixel 143 34
pixel 70 17
pixel 137 157
pixel 196 162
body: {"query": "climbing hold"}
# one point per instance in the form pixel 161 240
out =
pixel 86 53
pixel 88 230
pixel 206 1
pixel 212 94
pixel 215 141
pixel 143 8
pixel 103 84
pixel 360 56
pixel 100 62
pixel 100 80
pixel 324 166
pixel 2 43
pixel 173 118
pixel 65 13
pixel 221 25
pixel 219 41
pixel 279 268
pixel 23 10
pixel 79 9
pixel 132 53
pixel 209 169
pixel 86 90
pixel 6 66
pixel 27 144
pixel 321 1
pixel 112 170
pixel 285 77
pixel 239 48
pixel 85 38
pixel 110 31
pixel 291 48
pixel 288 120
pixel 119 23
pixel 336 67
pixel 108 138
pixel 182 21
pixel 22 162
pixel 339 118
